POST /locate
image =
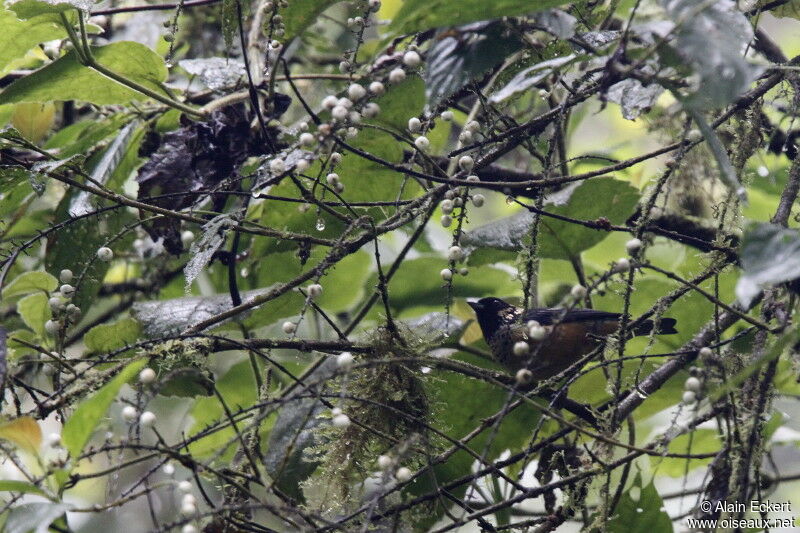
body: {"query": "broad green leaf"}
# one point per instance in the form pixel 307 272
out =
pixel 699 441
pixel 33 120
pixel 612 199
pixel 66 79
pixel 640 509
pixel 107 337
pixel 26 9
pixel 81 424
pixel 15 182
pixel 22 487
pixel 300 14
pixel 420 15
pixel 769 254
pixel 418 283
pixel 238 388
pixel 30 282
pixel 85 136
pixel 34 517
pixel 711 38
pixel 401 102
pixel 460 56
pixel 24 432
pixel 34 311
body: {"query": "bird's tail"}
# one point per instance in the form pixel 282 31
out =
pixel 666 326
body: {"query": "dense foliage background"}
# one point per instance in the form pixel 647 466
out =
pixel 238 238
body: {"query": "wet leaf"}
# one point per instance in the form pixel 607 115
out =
pixel 769 254
pixel 19 36
pixel 34 311
pixel 30 282
pixel 640 509
pixel 105 338
pixel 465 54
pixel 66 79
pixel 215 72
pixel 203 249
pixel 530 76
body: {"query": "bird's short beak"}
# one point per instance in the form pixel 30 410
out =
pixel 475 305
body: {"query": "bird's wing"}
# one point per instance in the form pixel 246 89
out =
pixel 558 316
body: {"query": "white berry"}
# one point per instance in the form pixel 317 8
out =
pixel 65 276
pixel 371 110
pixel 446 221
pixel 411 59
pixel 523 376
pixel 622 264
pixel 302 165
pixel 377 88
pixel 344 361
pixel 185 486
pixel 692 384
pixel 332 179
pixel 315 290
pixel 339 112
pixel 289 327
pixel 67 290
pixel 465 137
pixel 478 200
pixel 706 352
pixel 466 163
pixel 55 304
pixel 446 274
pixel 447 116
pixel 403 474
pixel 689 397
pixel 147 419
pixel 189 528
pixel 306 139
pixel 633 246
pixel 472 126
pixel 129 413
pixel 188 509
pixel 384 461
pixel 187 237
pixel 356 91
pixel 277 166
pixel 329 102
pixel 422 143
pixel 521 348
pixel 147 376
pixel 537 333
pixel 335 158
pixel 51 327
pixel 578 291
pixel 446 206
pixel 397 75
pixel 472 178
pixel 54 440
pixel 105 254
pixel 341 420
pixel 455 253
pixel 694 136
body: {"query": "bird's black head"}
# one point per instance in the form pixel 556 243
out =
pixel 492 313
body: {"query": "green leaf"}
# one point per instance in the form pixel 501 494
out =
pixel 699 441
pixel 420 15
pixel 418 282
pixel 15 182
pixel 66 79
pixel 30 282
pixel 108 337
pixel 769 254
pixel 79 427
pixel 26 9
pixel 34 517
pixel 22 487
pixel 300 14
pixel 238 388
pixel 343 284
pixel 456 59
pixel 20 36
pixel 187 383
pixel 35 311
pixel 640 509
pixel 558 239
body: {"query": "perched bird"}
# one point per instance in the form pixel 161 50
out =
pixel 556 340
